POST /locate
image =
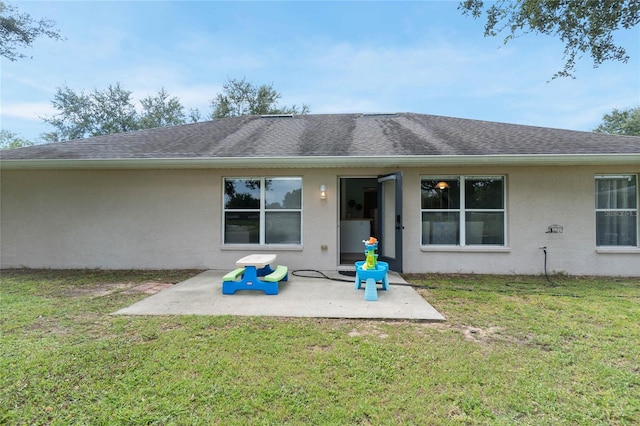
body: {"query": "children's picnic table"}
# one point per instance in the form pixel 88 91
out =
pixel 255 272
pixel 256 260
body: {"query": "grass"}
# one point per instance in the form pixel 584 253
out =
pixel 513 350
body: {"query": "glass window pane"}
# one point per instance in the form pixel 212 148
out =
pixel 440 193
pixel 616 193
pixel 283 193
pixel 242 228
pixel 241 193
pixel 484 194
pixel 484 228
pixel 616 228
pixel 283 228
pixel 440 228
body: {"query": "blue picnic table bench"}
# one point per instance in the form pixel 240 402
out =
pixel 254 272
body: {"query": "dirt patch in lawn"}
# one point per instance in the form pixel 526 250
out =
pixel 477 334
pixel 472 333
pixel 105 289
pixel 368 329
pixel 148 288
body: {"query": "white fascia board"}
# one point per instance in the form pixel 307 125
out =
pixel 327 161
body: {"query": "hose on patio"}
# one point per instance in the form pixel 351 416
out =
pixel 322 275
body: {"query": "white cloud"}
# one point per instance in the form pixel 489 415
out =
pixel 197 96
pixel 32 111
pixel 32 82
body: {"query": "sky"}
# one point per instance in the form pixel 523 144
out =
pixel 336 57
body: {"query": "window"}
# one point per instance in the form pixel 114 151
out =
pixel 463 210
pixel 617 210
pixel 263 210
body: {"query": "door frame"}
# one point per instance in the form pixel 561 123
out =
pixel 391 255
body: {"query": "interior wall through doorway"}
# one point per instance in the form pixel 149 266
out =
pixel 358 216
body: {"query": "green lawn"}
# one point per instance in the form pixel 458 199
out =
pixel 514 350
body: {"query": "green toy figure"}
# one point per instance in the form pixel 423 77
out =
pixel 371 258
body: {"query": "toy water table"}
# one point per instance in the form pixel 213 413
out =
pixel 371 271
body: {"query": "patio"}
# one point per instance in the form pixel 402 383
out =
pixel 301 296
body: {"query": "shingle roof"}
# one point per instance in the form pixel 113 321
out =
pixel 402 134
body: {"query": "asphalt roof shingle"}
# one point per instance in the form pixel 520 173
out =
pixel 332 135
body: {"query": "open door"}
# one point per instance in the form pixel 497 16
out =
pixel 390 220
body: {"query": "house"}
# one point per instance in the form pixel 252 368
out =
pixel 442 195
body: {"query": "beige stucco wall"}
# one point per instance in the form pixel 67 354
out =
pixel 107 219
pixel 117 219
pixel 536 198
pixel 120 219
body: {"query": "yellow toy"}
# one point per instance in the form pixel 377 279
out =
pixel 371 246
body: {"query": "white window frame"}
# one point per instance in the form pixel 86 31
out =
pixel 262 210
pixel 462 211
pixel 635 212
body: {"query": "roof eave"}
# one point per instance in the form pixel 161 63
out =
pixel 326 161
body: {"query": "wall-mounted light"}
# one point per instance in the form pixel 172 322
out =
pixel 442 185
pixel 323 192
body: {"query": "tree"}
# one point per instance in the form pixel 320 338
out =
pixel 240 97
pixel 194 115
pixel 161 111
pixel 81 115
pixel 20 30
pixel 109 111
pixel 113 111
pixel 621 122
pixel 10 140
pixel 583 26
pixel 98 113
pixel 73 121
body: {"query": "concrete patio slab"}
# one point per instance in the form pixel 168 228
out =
pixel 299 297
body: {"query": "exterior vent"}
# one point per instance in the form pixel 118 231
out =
pixel 380 114
pixel 276 116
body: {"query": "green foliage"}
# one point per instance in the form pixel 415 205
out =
pixel 514 350
pixel 20 30
pixel 161 111
pixel 583 26
pixel 194 115
pixel 240 97
pixel 109 111
pixel 621 122
pixel 112 111
pixel 10 140
pixel 82 115
pixel 97 113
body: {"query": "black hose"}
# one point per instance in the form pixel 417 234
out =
pixel 321 275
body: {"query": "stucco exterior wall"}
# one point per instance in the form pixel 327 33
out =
pixel 536 198
pixel 120 219
pixel 107 219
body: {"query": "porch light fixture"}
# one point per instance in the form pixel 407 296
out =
pixel 442 185
pixel 323 192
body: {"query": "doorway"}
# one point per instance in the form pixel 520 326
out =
pixel 371 207
pixel 358 216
